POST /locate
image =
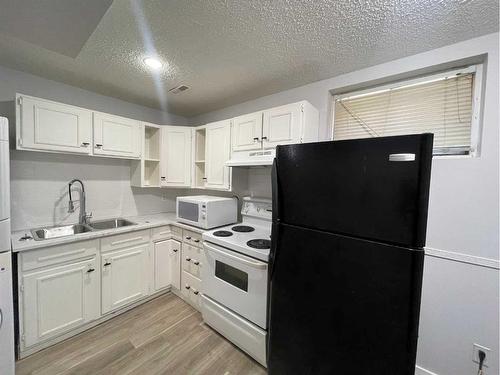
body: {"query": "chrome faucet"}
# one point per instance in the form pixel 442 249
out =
pixel 83 217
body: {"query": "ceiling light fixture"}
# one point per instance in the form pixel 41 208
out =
pixel 152 62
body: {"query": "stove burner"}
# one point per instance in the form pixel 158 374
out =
pixel 222 233
pixel 243 228
pixel 260 243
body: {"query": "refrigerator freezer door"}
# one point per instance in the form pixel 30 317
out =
pixel 374 188
pixel 340 305
pixel 6 316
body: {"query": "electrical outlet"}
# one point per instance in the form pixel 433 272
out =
pixel 475 353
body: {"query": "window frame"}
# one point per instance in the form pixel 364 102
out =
pixel 477 92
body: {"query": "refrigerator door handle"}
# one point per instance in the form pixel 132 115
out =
pixel 402 157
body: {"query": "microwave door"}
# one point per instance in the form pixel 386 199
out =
pixel 188 211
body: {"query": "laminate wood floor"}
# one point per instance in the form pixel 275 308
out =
pixel 163 336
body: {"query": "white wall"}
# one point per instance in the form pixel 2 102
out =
pixel 461 290
pixel 39 180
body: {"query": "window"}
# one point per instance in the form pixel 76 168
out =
pixel 445 104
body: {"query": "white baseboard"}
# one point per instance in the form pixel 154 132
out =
pixel 422 371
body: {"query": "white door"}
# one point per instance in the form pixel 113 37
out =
pixel 176 156
pixel 218 151
pixel 175 263
pixel 281 125
pixel 50 126
pixel 59 299
pixel 166 264
pixel 247 132
pixel 117 136
pixel 125 277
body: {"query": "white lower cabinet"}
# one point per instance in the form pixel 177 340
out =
pixel 124 277
pixel 59 299
pixel 167 264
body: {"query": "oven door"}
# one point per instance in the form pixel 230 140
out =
pixel 189 212
pixel 236 281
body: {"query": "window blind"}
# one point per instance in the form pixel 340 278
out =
pixel 441 106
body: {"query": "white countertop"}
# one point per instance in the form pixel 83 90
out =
pixel 143 222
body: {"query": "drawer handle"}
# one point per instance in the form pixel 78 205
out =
pixel 188 238
pixel 67 253
pixel 264 138
pixel 196 241
pixel 98 145
pixel 125 241
pixel 107 264
pixel 188 287
pixel 90 270
pixel 196 262
pixel 188 259
pixel 85 144
pixel 175 250
pixel 195 292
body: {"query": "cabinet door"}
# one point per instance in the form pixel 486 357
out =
pixel 59 299
pixel 218 151
pixel 281 125
pixel 124 277
pixel 117 136
pixel 166 264
pixel 247 132
pixel 176 156
pixel 175 263
pixel 50 126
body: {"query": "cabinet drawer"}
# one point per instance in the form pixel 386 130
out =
pixel 57 254
pixel 176 232
pixel 125 240
pixel 192 260
pixel 191 289
pixel 161 233
pixel 192 238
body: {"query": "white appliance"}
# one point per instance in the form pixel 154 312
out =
pixel 6 298
pixel 205 211
pixel 235 278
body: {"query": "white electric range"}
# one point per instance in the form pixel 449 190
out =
pixel 235 277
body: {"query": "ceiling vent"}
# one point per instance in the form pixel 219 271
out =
pixel 178 89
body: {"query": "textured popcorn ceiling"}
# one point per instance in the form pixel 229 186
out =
pixel 230 51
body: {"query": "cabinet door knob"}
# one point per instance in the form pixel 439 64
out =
pixel 90 270
pixel 107 264
pixel 256 139
pixel 163 178
pixel 195 292
pixel 188 259
pixel 196 241
pixel 98 145
pixel 188 238
pixel 196 262
pixel 85 144
pixel 175 250
pixel 188 287
pixel 264 138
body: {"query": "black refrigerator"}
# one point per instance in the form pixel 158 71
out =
pixel 346 261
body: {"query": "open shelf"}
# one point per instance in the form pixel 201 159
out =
pixel 151 143
pixel 199 158
pixel 151 173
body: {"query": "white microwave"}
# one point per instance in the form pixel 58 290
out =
pixel 205 211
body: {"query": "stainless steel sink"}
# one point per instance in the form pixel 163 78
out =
pixel 111 224
pixel 59 231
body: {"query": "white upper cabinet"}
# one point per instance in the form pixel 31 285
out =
pixel 49 126
pixel 176 156
pixel 284 125
pixel 117 136
pixel 247 132
pixel 218 151
pixel 281 126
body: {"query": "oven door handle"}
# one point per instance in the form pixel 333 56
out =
pixel 258 265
